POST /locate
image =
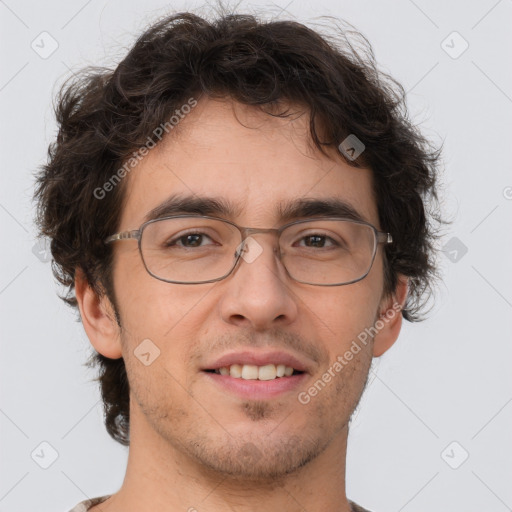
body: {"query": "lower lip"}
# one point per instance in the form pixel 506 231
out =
pixel 258 389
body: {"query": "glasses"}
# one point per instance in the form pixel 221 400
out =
pixel 192 249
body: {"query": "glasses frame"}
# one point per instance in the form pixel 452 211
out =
pixel 380 237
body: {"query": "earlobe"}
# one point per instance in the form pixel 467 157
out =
pixel 389 321
pixel 98 319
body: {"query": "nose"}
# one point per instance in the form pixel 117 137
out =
pixel 258 293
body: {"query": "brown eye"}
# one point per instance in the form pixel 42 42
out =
pixel 189 241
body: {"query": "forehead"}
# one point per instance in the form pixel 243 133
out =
pixel 258 163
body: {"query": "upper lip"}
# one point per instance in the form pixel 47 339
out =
pixel 258 359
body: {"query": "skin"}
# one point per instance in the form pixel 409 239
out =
pixel 192 445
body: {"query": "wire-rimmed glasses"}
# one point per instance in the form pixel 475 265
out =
pixel 195 249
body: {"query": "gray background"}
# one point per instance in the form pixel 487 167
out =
pixel 446 380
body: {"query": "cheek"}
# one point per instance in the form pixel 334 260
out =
pixel 171 317
pixel 148 306
pixel 339 315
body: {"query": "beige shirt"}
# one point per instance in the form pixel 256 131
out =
pixel 84 506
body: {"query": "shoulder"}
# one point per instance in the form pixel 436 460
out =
pixel 84 506
pixel 357 508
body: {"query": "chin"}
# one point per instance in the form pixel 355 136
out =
pixel 259 458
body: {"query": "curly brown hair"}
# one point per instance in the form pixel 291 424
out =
pixel 105 115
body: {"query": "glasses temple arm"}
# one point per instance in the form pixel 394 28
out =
pixel 124 235
pixel 384 238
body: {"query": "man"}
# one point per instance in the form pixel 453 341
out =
pixel 239 211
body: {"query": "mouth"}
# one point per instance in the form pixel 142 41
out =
pixel 256 375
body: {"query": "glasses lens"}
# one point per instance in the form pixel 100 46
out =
pixel 328 251
pixel 189 249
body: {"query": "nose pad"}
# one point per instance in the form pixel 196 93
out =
pixel 249 250
pixel 239 250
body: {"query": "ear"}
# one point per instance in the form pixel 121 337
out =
pixel 98 318
pixel 389 321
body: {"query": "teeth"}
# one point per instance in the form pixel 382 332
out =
pixel 249 372
pixel 253 372
pixel 267 372
pixel 235 370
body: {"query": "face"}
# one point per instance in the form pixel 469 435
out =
pixel 253 429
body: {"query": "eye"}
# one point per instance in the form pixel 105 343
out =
pixel 189 240
pixel 318 241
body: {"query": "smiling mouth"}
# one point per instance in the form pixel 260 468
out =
pixel 254 372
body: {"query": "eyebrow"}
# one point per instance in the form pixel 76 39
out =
pixel 286 212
